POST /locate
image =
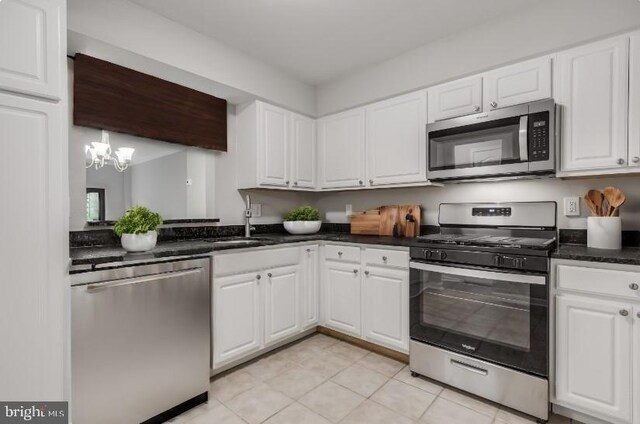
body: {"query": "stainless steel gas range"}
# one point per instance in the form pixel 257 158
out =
pixel 479 302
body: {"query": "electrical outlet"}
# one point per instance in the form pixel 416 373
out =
pixel 349 210
pixel 571 206
pixel 256 209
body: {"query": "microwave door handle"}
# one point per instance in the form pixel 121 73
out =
pixel 523 138
pixel 477 273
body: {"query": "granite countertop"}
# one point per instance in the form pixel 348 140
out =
pixel 579 252
pixel 83 258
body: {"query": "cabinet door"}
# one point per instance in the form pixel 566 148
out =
pixel 342 147
pixel 396 140
pixel 34 264
pixel 342 297
pixel 31 46
pixel 282 303
pixel 636 364
pixel 516 84
pixel 237 317
pixel 457 98
pixel 592 88
pixel 385 307
pixel 593 357
pixel 273 147
pixel 634 101
pixel 303 146
pixel 310 286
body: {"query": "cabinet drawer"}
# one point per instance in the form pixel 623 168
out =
pixel 385 257
pixel 342 253
pixel 237 263
pixel 600 281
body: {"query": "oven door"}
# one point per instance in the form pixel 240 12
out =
pixel 500 317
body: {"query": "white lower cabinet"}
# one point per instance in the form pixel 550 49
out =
pixel 385 307
pixel 282 304
pixel 311 287
pixel 237 317
pixel 342 297
pixel 597 343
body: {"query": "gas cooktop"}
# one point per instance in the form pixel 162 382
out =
pixel 489 240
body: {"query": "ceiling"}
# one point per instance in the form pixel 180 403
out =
pixel 319 40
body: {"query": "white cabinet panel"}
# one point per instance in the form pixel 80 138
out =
pixel 593 356
pixel 516 84
pixel 636 364
pixel 237 317
pixel 311 286
pixel 303 146
pixel 592 88
pixel 396 140
pixel 342 297
pixel 341 139
pixel 31 46
pixel 385 307
pixel 282 303
pixel 634 101
pixel 273 145
pixel 457 98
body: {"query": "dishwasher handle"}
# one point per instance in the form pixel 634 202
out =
pixel 137 280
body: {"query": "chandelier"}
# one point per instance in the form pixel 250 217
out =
pixel 100 152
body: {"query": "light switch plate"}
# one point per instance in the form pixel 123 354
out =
pixel 571 206
pixel 256 210
pixel 348 210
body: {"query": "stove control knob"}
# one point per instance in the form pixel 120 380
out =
pixel 427 253
pixel 497 260
pixel 443 256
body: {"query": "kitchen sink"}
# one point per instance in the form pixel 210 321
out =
pixel 239 241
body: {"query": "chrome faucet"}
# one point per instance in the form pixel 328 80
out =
pixel 247 219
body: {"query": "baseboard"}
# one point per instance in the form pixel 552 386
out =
pixel 398 356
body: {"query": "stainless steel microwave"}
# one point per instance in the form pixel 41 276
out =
pixel 509 142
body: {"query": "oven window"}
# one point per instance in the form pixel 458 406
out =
pixel 475 145
pixel 489 310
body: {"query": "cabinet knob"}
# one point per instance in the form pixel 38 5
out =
pixel 476 108
pixel 308 250
pixel 493 104
pixel 340 254
pixel 366 273
pixel 633 286
pixel 295 183
pixel 258 277
pixel 624 312
pixel 355 271
pixel 384 259
pixel 360 182
pixel 370 181
pixel 635 159
pixel 269 275
pixel 620 161
pixel 638 314
pixel 287 182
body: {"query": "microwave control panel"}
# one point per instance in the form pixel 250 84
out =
pixel 539 136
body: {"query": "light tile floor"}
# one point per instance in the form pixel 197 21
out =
pixel 322 380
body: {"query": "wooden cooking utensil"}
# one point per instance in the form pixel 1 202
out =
pixel 592 207
pixel 616 199
pixel 596 198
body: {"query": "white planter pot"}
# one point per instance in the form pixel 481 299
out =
pixel 604 232
pixel 302 227
pixel 139 242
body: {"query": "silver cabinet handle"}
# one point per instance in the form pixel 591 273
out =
pixel 624 312
pixel 295 183
pixel 634 286
pixel 620 161
pixel 476 108
pixel 258 277
pixel 366 273
pixel 493 104
pixel 384 259
pixel 287 182
pixel 635 159
pixel 638 314
pixel 308 250
pixel 355 271
pixel 370 181
pixel 269 275
pixel 360 182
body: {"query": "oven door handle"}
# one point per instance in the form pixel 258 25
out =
pixel 523 138
pixel 477 273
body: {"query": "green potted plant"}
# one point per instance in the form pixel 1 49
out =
pixel 302 220
pixel 137 229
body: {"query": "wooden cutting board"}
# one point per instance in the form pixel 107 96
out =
pixel 366 223
pixel 388 221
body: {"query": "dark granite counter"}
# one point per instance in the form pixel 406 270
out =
pixel 578 252
pixel 83 258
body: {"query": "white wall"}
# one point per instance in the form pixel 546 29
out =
pixel 142 32
pixel 549 25
pixel 113 183
pixel 332 205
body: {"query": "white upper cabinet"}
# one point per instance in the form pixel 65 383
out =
pixel 341 139
pixel 594 357
pixel 516 84
pixel 31 50
pixel 634 101
pixel 457 98
pixel 396 140
pixel 303 148
pixel 273 150
pixel 592 88
pixel 282 303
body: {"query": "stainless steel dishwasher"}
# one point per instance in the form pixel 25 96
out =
pixel 140 342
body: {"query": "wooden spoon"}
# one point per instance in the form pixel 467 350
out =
pixel 615 198
pixel 596 198
pixel 587 201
